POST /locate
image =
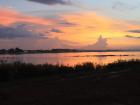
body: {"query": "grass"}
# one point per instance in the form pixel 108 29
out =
pixel 117 83
pixel 18 70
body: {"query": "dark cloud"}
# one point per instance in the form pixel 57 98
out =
pixel 11 32
pixel 53 2
pixel 56 30
pixel 130 36
pixel 67 24
pixel 134 31
pixel 119 5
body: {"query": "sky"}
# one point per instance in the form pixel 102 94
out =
pixel 76 24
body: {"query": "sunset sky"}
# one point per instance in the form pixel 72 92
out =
pixel 88 24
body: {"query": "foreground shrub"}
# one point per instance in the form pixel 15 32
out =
pixel 17 70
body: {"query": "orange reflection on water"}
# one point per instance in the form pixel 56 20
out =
pixel 72 58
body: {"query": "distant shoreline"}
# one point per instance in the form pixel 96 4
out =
pixel 21 51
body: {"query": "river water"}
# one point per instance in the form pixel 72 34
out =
pixel 72 58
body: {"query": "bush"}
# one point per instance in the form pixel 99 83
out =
pixel 17 70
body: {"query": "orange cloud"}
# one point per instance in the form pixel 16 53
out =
pixel 9 17
pixel 83 27
pixel 90 20
pixel 90 25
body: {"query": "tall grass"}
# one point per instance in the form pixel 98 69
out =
pixel 17 70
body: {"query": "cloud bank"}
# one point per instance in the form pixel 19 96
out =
pixel 75 27
pixel 53 2
pixel 12 32
pixel 130 36
pixel 10 16
pixel 134 31
pixel 101 44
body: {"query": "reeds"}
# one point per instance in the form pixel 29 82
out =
pixel 17 70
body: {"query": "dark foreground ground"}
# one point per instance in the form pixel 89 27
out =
pixel 111 88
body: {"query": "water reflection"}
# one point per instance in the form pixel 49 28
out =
pixel 72 58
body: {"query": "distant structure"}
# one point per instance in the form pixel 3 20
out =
pixel 101 44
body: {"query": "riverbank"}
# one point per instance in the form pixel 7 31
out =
pixel 86 84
